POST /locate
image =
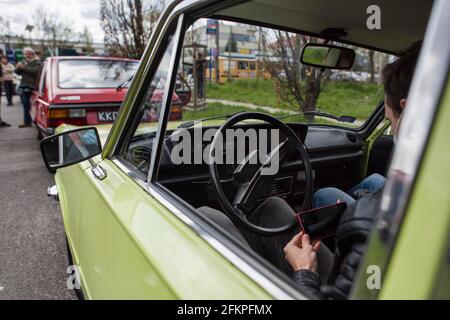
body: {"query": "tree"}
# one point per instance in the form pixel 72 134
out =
pixel 52 30
pixel 231 45
pixel 86 39
pixel 295 82
pixel 128 25
pixel 5 31
pixel 371 55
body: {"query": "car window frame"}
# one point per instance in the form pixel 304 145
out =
pixel 255 267
pixel 252 265
pixel 175 204
pixel 267 276
pixel 132 122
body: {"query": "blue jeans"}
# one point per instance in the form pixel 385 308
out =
pixel 327 196
pixel 25 97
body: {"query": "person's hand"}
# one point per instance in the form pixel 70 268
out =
pixel 301 254
pixel 19 65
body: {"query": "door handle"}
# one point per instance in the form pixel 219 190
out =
pixel 99 172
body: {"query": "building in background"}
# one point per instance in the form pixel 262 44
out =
pixel 236 49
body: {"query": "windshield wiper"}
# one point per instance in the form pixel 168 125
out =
pixel 123 84
pixel 348 119
pixel 190 123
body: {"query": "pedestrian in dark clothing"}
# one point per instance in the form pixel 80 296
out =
pixel 29 72
pixel 8 77
pixel 200 75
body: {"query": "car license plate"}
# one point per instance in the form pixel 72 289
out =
pixel 106 116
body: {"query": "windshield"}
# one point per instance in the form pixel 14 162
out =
pixel 259 69
pixel 94 73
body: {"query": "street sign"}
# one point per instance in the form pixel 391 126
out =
pixel 211 27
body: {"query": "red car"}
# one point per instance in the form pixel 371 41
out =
pixel 83 91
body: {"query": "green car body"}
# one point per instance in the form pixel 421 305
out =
pixel 131 242
pixel 150 253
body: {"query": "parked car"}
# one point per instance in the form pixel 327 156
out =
pixel 344 75
pixel 83 91
pixel 131 213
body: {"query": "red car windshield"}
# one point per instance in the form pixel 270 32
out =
pixel 74 74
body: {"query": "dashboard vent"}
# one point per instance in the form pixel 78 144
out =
pixel 278 187
pixel 352 137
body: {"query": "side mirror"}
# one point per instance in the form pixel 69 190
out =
pixel 327 56
pixel 70 147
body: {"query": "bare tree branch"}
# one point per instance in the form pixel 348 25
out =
pixel 128 25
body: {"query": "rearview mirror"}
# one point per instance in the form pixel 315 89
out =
pixel 70 147
pixel 327 56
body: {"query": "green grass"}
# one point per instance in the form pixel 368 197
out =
pixel 339 98
pixel 259 92
pixel 218 109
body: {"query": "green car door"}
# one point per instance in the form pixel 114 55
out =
pixel 125 242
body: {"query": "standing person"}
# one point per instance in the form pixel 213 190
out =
pixel 200 74
pixel 29 72
pixel 8 84
pixel 2 123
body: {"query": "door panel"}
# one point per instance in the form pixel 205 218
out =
pixel 112 263
pixel 69 181
pixel 132 247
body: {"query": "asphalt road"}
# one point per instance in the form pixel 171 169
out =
pixel 33 259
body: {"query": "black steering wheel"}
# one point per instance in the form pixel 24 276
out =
pixel 251 182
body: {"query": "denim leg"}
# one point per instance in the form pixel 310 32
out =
pixel 9 91
pixel 372 183
pixel 327 196
pixel 26 107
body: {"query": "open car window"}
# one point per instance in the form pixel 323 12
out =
pixel 250 68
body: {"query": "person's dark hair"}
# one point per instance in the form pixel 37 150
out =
pixel 397 77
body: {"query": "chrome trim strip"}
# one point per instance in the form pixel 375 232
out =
pixel 237 261
pixel 165 107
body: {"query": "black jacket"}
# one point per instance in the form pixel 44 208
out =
pixel 351 235
pixel 29 73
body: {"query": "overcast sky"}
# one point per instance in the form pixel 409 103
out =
pixel 80 12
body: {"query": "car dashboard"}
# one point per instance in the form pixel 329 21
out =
pixel 335 156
